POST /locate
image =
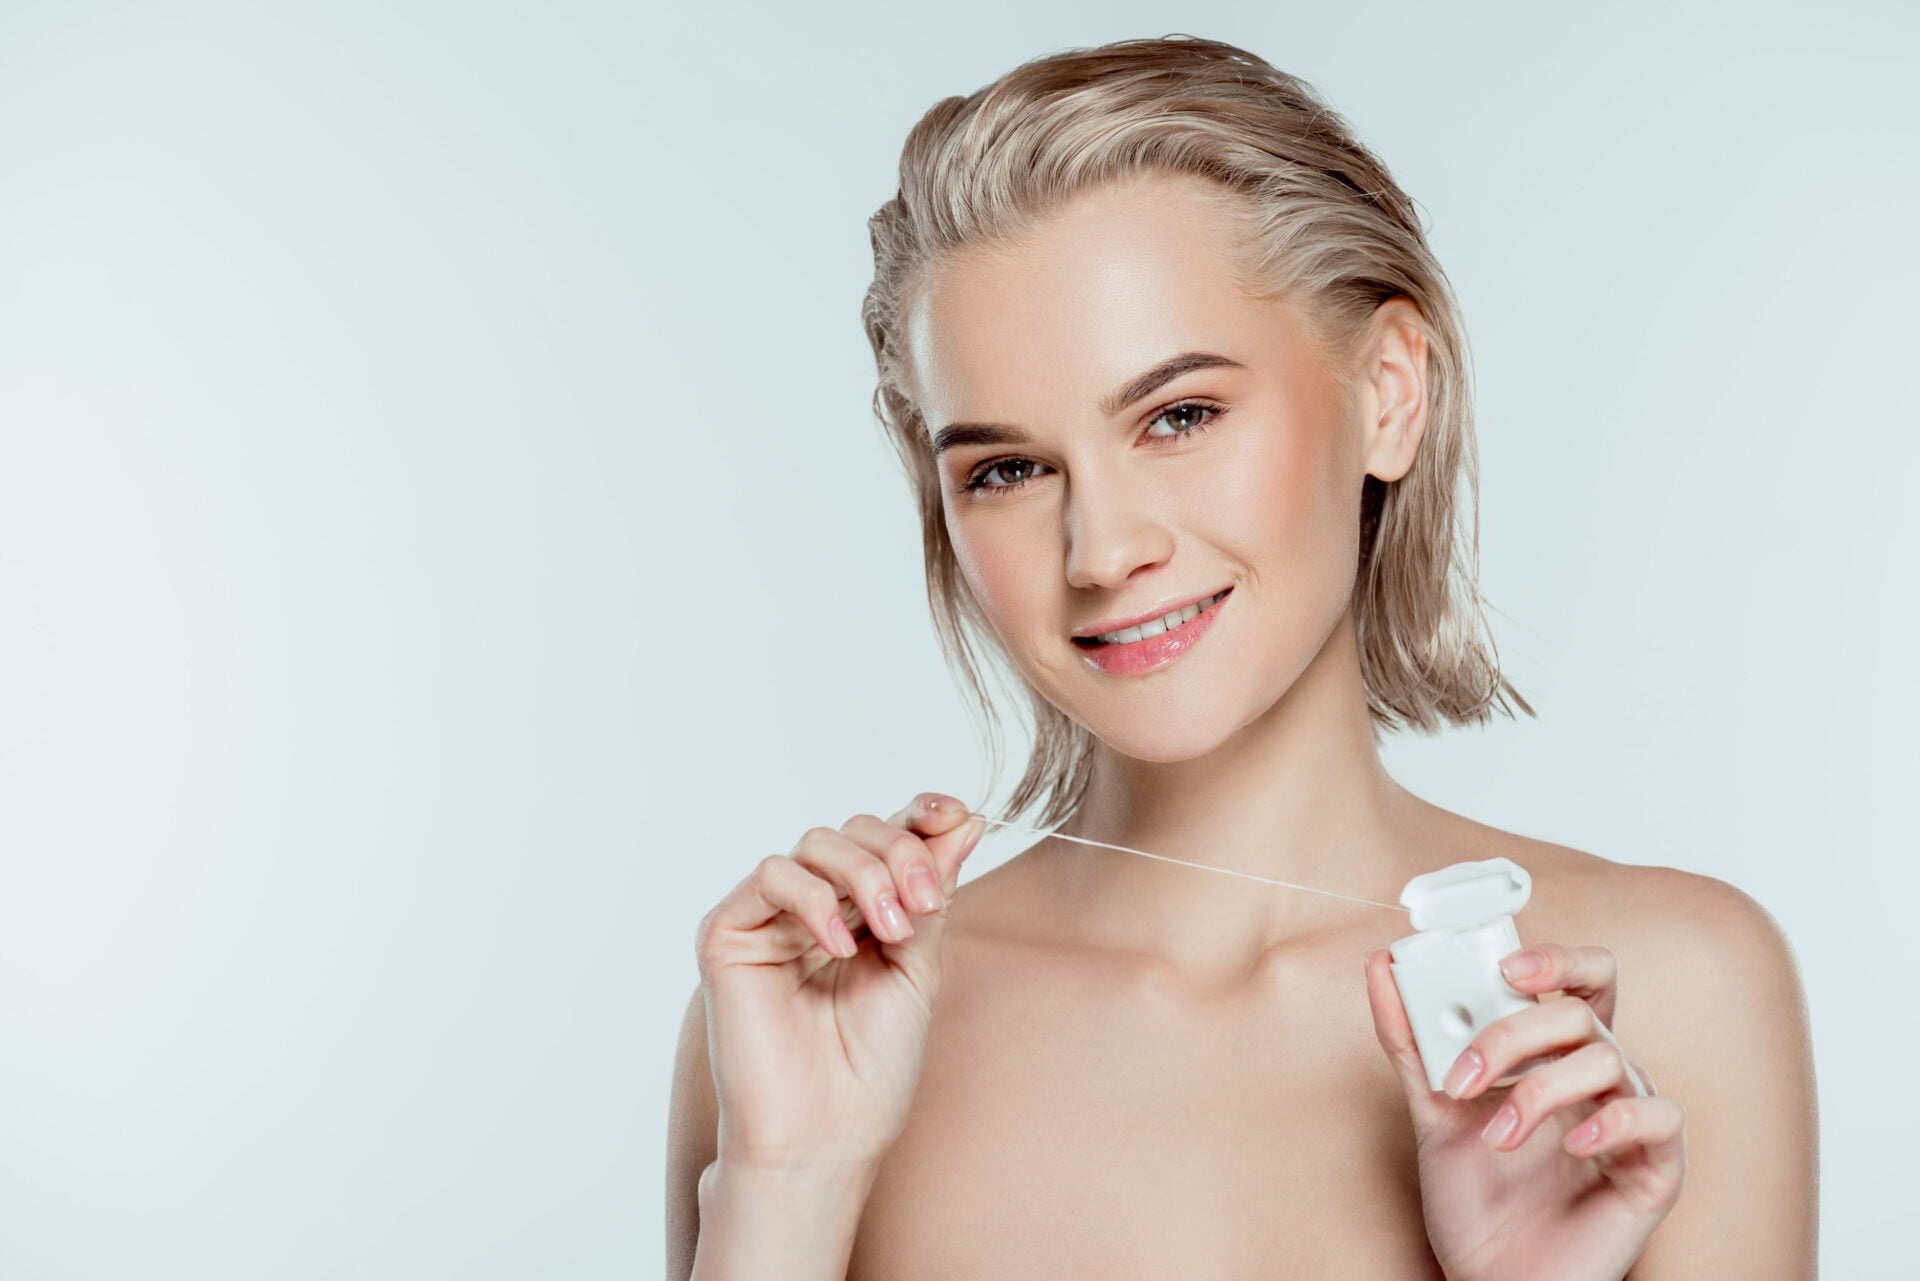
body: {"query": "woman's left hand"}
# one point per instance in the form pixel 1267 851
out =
pixel 1543 1199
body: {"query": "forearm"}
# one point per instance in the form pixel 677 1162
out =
pixel 757 1223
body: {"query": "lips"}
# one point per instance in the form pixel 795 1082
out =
pixel 1151 653
pixel 1088 635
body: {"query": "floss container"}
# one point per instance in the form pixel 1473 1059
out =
pixel 1449 973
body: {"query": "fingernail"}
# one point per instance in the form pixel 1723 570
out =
pixel 1585 1137
pixel 892 917
pixel 922 888
pixel 1502 1125
pixel 975 838
pixel 1368 963
pixel 1523 964
pixel 1464 1070
pixel 932 804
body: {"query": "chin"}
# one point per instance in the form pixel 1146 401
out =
pixel 1155 722
pixel 1149 739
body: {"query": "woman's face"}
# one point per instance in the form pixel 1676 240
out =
pixel 1099 493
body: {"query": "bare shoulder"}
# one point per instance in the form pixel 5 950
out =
pixel 1668 919
pixel 1706 975
pixel 1709 1001
pixel 1001 931
pixel 996 902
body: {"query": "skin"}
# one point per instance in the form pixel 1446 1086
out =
pixel 1128 1066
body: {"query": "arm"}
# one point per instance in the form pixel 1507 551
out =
pixel 1722 1017
pixel 693 1120
pixel 726 1222
pixel 768 1223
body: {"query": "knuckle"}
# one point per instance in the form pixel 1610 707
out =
pixel 1492 1043
pixel 1605 964
pixel 862 819
pixel 707 952
pixel 813 836
pixel 876 879
pixel 821 896
pixel 1529 1094
pixel 903 846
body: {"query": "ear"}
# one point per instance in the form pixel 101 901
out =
pixel 1394 388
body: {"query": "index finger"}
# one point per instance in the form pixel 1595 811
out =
pixel 930 814
pixel 1590 973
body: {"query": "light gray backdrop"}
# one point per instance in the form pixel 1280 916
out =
pixel 444 544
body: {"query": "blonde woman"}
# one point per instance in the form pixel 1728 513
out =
pixel 1158 339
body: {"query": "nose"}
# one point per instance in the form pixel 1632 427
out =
pixel 1112 532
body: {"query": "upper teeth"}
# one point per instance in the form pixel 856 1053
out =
pixel 1153 627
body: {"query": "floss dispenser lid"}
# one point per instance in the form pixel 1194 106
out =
pixel 1467 894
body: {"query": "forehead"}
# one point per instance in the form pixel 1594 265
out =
pixel 1121 278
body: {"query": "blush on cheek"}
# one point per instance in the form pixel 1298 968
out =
pixel 1282 515
pixel 997 574
pixel 1281 494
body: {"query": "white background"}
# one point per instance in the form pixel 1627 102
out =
pixel 444 543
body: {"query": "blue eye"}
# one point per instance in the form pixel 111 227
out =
pixel 977 481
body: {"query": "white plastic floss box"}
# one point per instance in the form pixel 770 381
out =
pixel 1449 973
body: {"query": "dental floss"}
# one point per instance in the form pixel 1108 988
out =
pixel 1225 871
pixel 1448 972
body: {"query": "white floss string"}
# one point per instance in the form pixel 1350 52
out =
pixel 1224 871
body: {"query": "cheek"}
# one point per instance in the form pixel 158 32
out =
pixel 1017 590
pixel 996 569
pixel 1288 514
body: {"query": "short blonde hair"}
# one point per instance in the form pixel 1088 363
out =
pixel 1326 225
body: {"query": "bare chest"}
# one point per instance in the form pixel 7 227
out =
pixel 1074 1123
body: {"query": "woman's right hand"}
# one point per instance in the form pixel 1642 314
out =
pixel 819 988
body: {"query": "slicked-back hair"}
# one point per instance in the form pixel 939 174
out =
pixel 1325 226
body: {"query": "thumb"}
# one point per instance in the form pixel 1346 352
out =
pixel 949 830
pixel 1395 1033
pixel 951 849
pixel 919 954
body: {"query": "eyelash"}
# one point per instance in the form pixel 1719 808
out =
pixel 974 480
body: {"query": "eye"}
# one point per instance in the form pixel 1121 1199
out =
pixel 1189 410
pixel 1196 423
pixel 979 478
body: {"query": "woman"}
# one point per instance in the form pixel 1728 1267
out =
pixel 1156 335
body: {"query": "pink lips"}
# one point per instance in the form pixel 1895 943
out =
pixel 1153 652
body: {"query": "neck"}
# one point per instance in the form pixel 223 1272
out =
pixel 1299 795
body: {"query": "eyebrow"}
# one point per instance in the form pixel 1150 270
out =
pixel 957 434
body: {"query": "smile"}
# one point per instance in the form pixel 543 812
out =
pixel 1153 626
pixel 1153 644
